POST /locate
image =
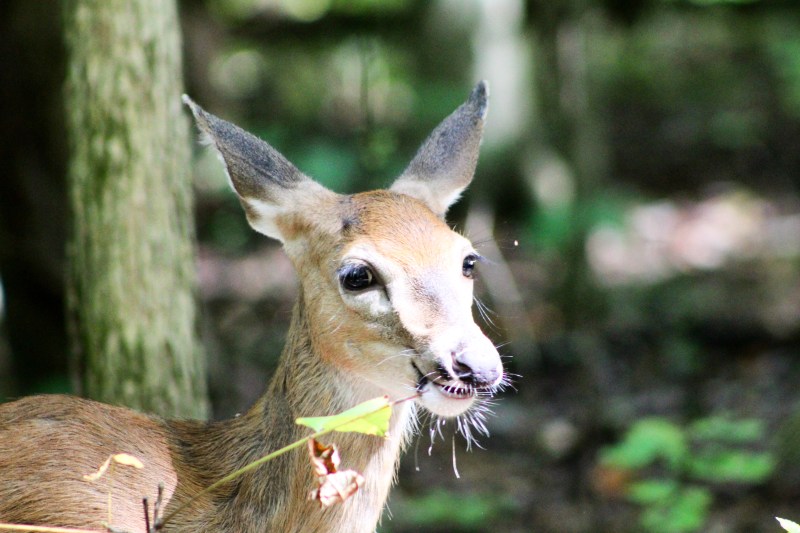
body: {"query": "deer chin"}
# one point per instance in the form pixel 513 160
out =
pixel 448 398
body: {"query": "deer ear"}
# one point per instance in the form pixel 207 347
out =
pixel 267 184
pixel 446 161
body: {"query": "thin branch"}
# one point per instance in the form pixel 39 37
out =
pixel 146 514
pixel 157 522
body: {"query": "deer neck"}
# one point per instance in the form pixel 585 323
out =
pixel 305 385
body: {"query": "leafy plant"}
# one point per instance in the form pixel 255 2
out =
pixel 678 465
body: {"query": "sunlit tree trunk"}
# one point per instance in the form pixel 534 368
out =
pixel 131 278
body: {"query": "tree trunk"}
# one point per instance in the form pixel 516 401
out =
pixel 131 278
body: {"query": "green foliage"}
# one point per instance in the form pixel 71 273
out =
pixel 783 51
pixel 435 511
pixel 370 418
pixel 555 227
pixel 474 509
pixel 681 510
pixel 717 2
pixel 306 10
pixel 647 441
pixel 717 461
pixel 332 165
pixel 720 428
pixel 683 463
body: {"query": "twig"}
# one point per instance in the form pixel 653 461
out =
pixel 146 515
pixel 157 522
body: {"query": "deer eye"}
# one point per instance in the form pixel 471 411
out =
pixel 468 267
pixel 356 277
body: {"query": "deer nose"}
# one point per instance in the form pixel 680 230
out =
pixel 477 368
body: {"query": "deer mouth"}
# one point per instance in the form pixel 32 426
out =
pixel 455 392
pixel 443 395
pixel 448 385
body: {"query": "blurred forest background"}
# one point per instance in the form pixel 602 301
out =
pixel 638 194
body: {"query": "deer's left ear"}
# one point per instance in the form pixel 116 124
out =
pixel 446 161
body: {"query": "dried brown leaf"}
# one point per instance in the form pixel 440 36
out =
pixel 336 488
pixel 333 486
pixel 324 459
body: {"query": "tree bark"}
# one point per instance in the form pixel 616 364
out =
pixel 131 277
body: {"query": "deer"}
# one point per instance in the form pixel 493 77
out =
pixel 384 307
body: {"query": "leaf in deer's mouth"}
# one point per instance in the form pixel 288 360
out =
pixel 370 418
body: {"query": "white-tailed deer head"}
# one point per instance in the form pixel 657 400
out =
pixel 387 284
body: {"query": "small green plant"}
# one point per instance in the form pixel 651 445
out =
pixel 676 467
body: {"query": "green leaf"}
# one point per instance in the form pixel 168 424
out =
pixel 788 525
pixel 370 418
pixel 686 511
pixel 647 441
pixel 652 491
pixel 720 428
pixel 433 511
pixel 738 466
pixel 691 508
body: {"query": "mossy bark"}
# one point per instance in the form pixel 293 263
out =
pixel 131 276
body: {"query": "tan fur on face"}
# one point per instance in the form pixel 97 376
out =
pixel 401 228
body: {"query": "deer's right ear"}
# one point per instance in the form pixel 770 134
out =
pixel 267 184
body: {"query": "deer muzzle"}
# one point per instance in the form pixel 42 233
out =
pixel 452 374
